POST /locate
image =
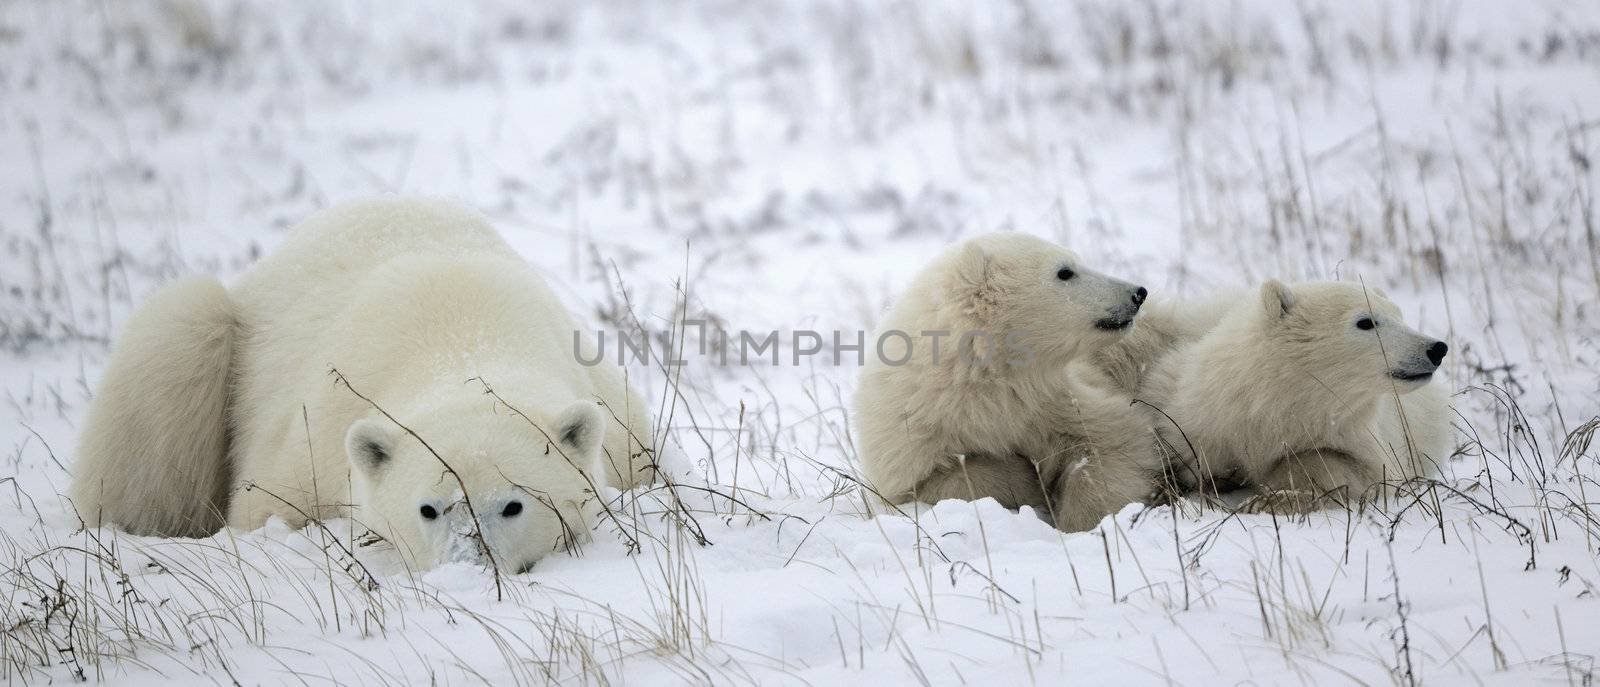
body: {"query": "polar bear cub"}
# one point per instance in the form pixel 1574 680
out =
pixel 227 401
pixel 969 394
pixel 1307 391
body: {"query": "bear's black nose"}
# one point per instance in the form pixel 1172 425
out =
pixel 1139 295
pixel 1436 352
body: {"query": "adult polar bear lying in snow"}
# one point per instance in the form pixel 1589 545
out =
pixel 997 414
pixel 222 400
pixel 1303 392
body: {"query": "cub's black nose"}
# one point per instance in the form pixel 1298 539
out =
pixel 1436 352
pixel 1140 294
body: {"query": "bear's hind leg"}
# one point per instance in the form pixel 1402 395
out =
pixel 153 454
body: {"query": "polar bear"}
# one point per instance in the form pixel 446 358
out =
pixel 970 395
pixel 349 373
pixel 1303 392
pixel 1162 326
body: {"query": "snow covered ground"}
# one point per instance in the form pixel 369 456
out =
pixel 788 165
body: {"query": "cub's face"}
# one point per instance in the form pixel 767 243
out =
pixel 527 492
pixel 1351 337
pixel 1020 285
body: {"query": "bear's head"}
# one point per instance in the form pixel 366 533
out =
pixel 1351 338
pixel 530 490
pixel 1022 289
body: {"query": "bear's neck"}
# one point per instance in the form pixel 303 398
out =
pixel 999 368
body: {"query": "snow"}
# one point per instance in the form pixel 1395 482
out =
pixel 788 166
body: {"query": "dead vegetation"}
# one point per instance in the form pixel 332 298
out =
pixel 1202 145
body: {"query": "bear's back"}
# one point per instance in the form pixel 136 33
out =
pixel 392 292
pixel 300 298
pixel 341 245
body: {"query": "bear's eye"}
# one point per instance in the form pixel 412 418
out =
pixel 429 512
pixel 511 510
pixel 1065 274
pixel 1365 324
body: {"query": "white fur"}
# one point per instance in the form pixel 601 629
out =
pixel 1017 427
pixel 410 300
pixel 1287 394
pixel 1162 326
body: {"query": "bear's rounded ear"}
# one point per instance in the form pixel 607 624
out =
pixel 369 444
pixel 972 266
pixel 1276 298
pixel 579 429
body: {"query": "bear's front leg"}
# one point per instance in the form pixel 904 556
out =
pixel 1309 479
pixel 258 495
pixel 1098 484
pixel 1011 479
pixel 1103 454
